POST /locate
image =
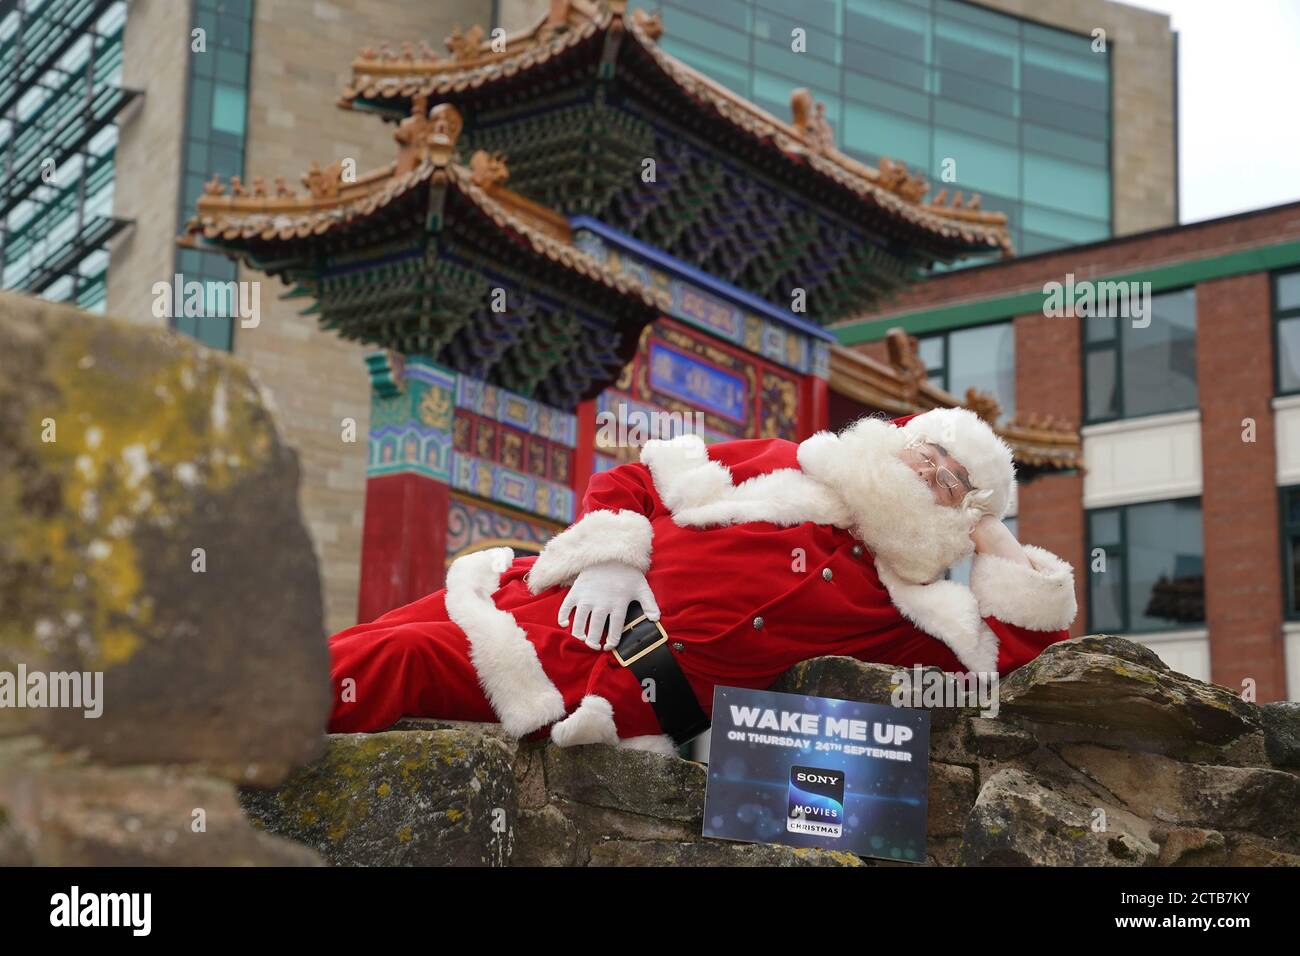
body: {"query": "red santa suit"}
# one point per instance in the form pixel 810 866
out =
pixel 760 553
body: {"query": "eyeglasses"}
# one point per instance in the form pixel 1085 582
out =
pixel 947 478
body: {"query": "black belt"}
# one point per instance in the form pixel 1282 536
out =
pixel 644 651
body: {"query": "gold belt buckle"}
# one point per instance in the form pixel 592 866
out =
pixel 663 639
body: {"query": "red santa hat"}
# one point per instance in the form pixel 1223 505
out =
pixel 913 538
pixel 970 440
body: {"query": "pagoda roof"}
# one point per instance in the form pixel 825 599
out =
pixel 899 387
pixel 578 34
pixel 406 257
pixel 246 220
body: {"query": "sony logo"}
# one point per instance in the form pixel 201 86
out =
pixel 815 778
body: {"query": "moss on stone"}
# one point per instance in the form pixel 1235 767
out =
pixel 137 423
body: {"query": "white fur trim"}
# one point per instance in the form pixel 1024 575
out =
pixel 700 492
pixel 893 512
pixel 948 611
pixel 969 439
pixel 505 660
pixel 652 743
pixel 1040 598
pixel 850 480
pixel 591 723
pixel 598 536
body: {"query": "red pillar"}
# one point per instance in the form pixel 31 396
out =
pixel 403 543
pixel 814 406
pixel 404 539
pixel 584 455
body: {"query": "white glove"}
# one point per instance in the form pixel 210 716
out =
pixel 601 595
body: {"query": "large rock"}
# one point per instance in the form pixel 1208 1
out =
pixel 634 781
pixel 1117 692
pixel 1282 732
pixel 401 798
pixel 713 853
pixel 61 810
pixel 1046 782
pixel 150 530
pixel 1254 799
pixel 1019 820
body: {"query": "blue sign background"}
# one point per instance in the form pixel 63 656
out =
pixel 683 376
pixel 749 789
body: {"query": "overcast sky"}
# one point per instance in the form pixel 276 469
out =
pixel 1239 103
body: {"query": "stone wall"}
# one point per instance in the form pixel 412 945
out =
pixel 161 637
pixel 1099 756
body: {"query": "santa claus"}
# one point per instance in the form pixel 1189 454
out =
pixel 737 561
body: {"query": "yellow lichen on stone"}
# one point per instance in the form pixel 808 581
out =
pixel 134 416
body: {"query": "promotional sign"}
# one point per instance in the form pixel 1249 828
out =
pixel 818 772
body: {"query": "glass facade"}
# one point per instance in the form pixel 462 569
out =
pixel 60 92
pixel 1154 577
pixel 1021 110
pixel 983 358
pixel 1130 372
pixel 215 130
pixel 1286 313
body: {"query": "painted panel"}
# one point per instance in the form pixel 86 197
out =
pixel 698 382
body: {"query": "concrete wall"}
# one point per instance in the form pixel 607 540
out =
pixel 155 59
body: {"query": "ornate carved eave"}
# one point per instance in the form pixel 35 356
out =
pixel 476 62
pixel 410 257
pixel 899 388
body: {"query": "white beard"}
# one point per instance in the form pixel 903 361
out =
pixel 894 511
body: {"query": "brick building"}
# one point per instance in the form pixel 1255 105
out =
pixel 1185 522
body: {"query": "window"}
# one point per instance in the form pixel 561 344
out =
pixel 1153 577
pixel 1130 372
pixel 1291 549
pixel 59 155
pixel 1024 109
pixel 982 358
pixel 214 143
pixel 1286 312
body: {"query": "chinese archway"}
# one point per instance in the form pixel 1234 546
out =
pixel 579 236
